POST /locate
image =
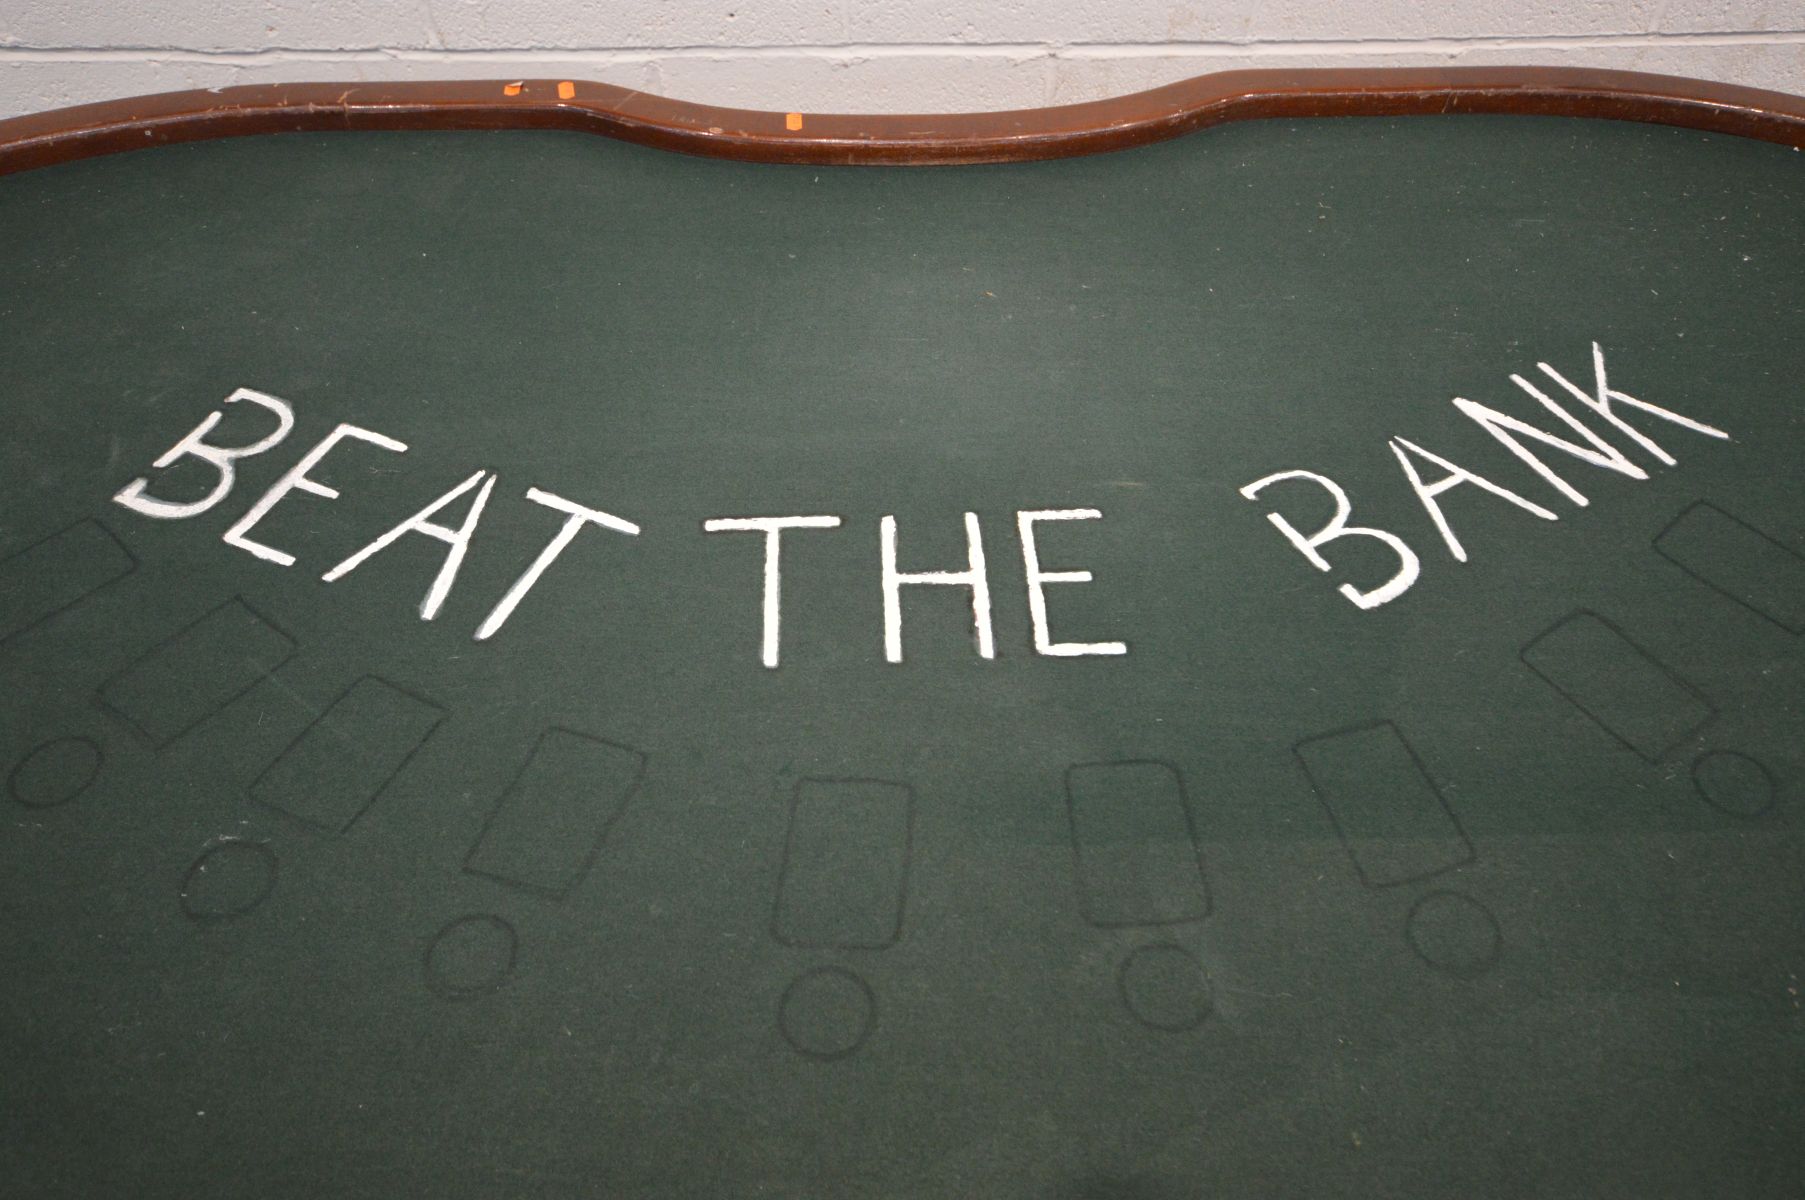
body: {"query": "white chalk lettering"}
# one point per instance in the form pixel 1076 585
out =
pixel 1456 475
pixel 973 577
pixel 1038 579
pixel 578 517
pixel 1601 404
pixel 772 528
pixel 296 479
pixel 1584 420
pixel 222 459
pixel 458 539
pixel 1337 527
pixel 1504 428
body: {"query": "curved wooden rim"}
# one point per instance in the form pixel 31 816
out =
pixel 93 129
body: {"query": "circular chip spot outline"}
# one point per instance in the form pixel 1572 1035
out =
pixel 25 760
pixel 867 1025
pixel 438 981
pixel 1716 756
pixel 236 846
pixel 1479 964
pixel 1141 954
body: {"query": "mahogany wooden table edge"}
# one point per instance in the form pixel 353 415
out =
pixel 83 131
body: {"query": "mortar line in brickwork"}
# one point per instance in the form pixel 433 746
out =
pixel 1064 49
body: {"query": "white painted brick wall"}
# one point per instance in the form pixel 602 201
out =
pixel 850 56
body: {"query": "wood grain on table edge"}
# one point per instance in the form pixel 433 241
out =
pixel 84 131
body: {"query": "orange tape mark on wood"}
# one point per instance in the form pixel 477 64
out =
pixel 792 122
pixel 567 90
pixel 510 89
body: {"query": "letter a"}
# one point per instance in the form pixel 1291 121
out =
pixel 458 539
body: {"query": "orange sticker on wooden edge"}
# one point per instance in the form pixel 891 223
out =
pixel 792 121
pixel 567 90
pixel 511 89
